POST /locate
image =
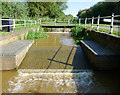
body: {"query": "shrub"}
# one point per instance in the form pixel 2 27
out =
pixel 24 37
pixel 31 35
pixel 19 37
pixel 40 33
pixel 79 35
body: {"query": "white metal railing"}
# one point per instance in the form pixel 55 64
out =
pixel 111 20
pixel 24 22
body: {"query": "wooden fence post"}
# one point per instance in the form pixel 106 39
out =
pixel 85 21
pixel 98 22
pixel 24 23
pixel 14 24
pixel 112 21
pixel 79 21
pixel 92 22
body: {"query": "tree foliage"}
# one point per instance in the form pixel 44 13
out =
pixel 14 10
pixel 43 9
pixel 102 9
pixel 33 9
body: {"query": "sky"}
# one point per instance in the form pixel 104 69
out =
pixel 75 6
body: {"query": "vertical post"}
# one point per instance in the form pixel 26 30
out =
pixel 112 21
pixel 85 22
pixel 35 22
pixel 55 21
pixel 92 22
pixel 24 23
pixel 31 22
pixel 98 22
pixel 14 24
pixel 79 21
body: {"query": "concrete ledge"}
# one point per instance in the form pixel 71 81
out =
pixel 108 40
pixel 13 36
pixel 100 57
pixel 13 53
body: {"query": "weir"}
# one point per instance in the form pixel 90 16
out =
pixel 56 65
pixel 58 28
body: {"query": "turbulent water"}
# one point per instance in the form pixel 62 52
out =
pixel 51 82
pixel 49 67
pixel 80 82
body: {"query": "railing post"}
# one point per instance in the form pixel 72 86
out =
pixel 24 23
pixel 79 21
pixel 55 21
pixel 85 21
pixel 112 21
pixel 14 24
pixel 31 22
pixel 92 22
pixel 98 22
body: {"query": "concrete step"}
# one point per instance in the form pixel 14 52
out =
pixel 100 57
pixel 13 53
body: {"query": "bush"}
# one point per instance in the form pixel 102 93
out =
pixel 40 33
pixel 78 34
pixel 31 35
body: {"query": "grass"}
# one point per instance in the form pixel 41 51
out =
pixel 21 27
pixel 3 33
pixel 37 34
pixel 102 30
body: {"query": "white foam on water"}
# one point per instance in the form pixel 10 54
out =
pixel 51 82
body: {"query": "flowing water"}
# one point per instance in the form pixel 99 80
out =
pixel 56 65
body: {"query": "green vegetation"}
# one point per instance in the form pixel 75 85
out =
pixel 101 8
pixel 37 34
pixel 14 10
pixel 2 33
pixel 78 34
pixel 34 10
pixel 31 35
pixel 104 30
pixel 21 27
pixel 40 33
pixel 19 37
pixel 24 37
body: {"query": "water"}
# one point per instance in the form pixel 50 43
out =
pixel 56 65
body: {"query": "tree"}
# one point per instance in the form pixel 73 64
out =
pixel 14 10
pixel 102 9
pixel 42 9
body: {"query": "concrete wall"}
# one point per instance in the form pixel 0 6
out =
pixel 109 40
pixel 57 29
pixel 8 38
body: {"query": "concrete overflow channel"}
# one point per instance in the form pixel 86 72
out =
pixel 102 51
pixel 14 50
